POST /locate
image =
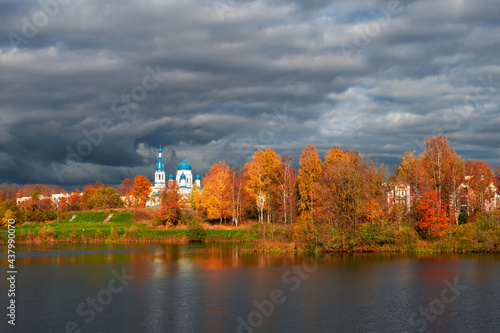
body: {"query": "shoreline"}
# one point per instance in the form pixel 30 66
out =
pixel 125 228
pixel 254 246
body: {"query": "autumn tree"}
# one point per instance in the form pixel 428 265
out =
pixel 216 195
pixel 195 197
pixel 74 201
pixel 37 209
pixel 480 179
pixel 98 196
pixel 348 191
pixel 258 179
pixel 8 210
pixel 126 191
pixel 7 216
pixel 237 195
pixel 169 213
pixel 10 191
pixel 335 154
pixel 439 159
pixel 305 231
pixel 283 186
pixel 411 170
pixel 141 191
pixel 41 189
pixel 457 179
pixel 310 169
pixel 433 220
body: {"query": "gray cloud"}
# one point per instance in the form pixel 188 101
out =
pixel 238 76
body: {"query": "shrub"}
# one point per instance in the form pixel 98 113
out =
pixel 131 232
pixel 156 221
pixel 462 218
pixel 115 233
pixel 73 235
pixel 99 235
pixel 196 233
pixel 305 232
pixel 143 215
pixel 46 232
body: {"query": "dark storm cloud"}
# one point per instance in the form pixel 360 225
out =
pixel 216 80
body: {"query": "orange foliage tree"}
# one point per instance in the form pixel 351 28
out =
pixel 195 198
pixel 126 191
pixel 283 189
pixel 141 190
pixel 411 170
pixel 481 177
pixel 237 195
pixel 169 212
pixel 216 194
pixel 348 191
pixel 310 169
pixel 433 215
pixel 98 196
pixel 74 201
pixel 10 191
pixel 258 178
pixel 438 160
pixel 41 189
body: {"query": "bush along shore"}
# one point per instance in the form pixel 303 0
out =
pixel 483 235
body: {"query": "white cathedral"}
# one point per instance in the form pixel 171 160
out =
pixel 183 178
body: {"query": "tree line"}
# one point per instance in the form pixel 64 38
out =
pixel 347 189
pixel 343 191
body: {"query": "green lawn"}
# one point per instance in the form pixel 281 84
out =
pixel 88 224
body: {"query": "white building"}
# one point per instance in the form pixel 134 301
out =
pixel 183 178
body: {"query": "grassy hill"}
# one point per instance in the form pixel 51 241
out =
pixel 89 227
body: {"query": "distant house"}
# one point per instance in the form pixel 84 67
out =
pixel 55 198
pixel 460 202
pixel 467 195
pixel 402 194
pixel 494 201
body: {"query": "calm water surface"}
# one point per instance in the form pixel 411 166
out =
pixel 220 288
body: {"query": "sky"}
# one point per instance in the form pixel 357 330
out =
pixel 90 89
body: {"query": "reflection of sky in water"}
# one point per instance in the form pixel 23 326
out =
pixel 193 288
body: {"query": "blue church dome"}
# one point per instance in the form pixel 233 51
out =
pixel 159 164
pixel 198 176
pixel 184 165
pixel 183 176
pixel 171 177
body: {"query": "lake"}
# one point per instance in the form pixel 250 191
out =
pixel 221 288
